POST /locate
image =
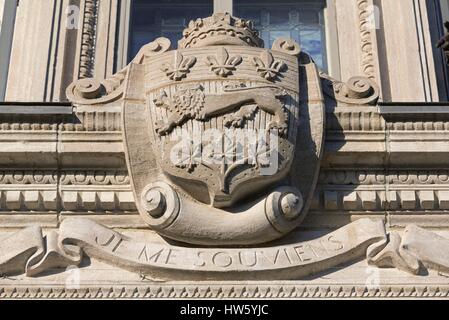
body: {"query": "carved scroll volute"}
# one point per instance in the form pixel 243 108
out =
pixel 287 46
pixel 94 92
pixel 158 46
pixel 357 91
pixel 356 88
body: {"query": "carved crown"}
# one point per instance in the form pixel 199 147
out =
pixel 220 29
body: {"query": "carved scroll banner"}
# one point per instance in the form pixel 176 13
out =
pixel 415 251
pixel 169 262
pixel 20 250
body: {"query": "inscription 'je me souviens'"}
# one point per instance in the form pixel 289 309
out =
pixel 247 258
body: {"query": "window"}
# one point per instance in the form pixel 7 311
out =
pixel 444 4
pixel 438 13
pixel 302 20
pixel 167 18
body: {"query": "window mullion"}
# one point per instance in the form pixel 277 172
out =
pixel 223 6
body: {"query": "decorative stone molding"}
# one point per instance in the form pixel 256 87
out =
pixel 74 191
pixel 94 121
pixel 383 190
pixel 34 199
pixel 228 290
pixel 412 200
pixel 97 201
pixel 366 30
pixel 382 176
pixel 47 200
pixel 98 178
pixel 220 29
pixel 339 191
pixel 338 120
pixel 81 121
pixel 366 120
pixel 88 39
pixel 27 177
pixel 441 124
pixel 11 122
pixel 29 252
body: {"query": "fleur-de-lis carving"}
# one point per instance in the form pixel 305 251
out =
pixel 222 64
pixel 180 68
pixel 268 67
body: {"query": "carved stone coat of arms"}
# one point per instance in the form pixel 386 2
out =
pixel 222 142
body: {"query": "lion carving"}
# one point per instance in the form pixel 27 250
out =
pixel 192 103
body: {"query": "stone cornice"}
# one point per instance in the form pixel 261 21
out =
pixel 413 108
pixel 229 290
pixel 23 108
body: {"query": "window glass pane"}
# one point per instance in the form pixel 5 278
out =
pixel 301 20
pixel 163 18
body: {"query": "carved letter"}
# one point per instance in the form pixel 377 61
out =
pixel 110 241
pixel 223 264
pixel 254 263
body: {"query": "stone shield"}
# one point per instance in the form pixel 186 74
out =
pixel 211 112
pixel 223 126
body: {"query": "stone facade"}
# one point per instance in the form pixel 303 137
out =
pixel 86 171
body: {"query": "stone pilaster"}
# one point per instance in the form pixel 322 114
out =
pixel 406 51
pixel 47 54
